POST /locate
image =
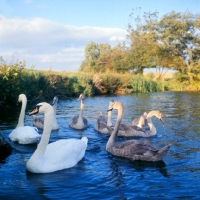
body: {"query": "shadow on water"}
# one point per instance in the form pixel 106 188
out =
pixel 5 148
pixel 160 166
pixel 23 148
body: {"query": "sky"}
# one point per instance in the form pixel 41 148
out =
pixel 53 34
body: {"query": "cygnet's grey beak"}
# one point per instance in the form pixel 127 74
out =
pixel 161 119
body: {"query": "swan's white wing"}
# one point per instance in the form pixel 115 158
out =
pixel 63 154
pixel 24 135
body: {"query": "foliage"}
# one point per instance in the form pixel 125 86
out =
pixel 140 84
pixel 15 79
pixel 10 76
pixel 179 32
pixel 96 57
pixel 172 42
pixel 80 83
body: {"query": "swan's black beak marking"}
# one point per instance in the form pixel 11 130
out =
pixel 110 109
pixel 34 111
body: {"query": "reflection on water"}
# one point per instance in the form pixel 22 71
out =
pixel 100 175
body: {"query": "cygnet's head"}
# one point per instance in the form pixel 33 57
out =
pixel 55 100
pixel 81 97
pixel 115 105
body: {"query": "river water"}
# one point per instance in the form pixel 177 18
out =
pixel 100 175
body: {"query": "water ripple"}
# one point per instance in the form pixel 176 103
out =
pixel 100 175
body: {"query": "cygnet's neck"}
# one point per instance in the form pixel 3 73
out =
pixel 81 108
pixel 54 108
pixel 141 123
pixel 109 121
pixel 151 126
pixel 113 138
pixel 151 114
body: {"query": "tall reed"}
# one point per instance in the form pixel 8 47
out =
pixel 141 84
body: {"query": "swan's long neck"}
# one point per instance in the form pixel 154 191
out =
pixel 109 122
pixel 22 113
pixel 151 114
pixel 48 123
pixel 141 122
pixel 151 126
pixel 54 108
pixel 113 138
pixel 81 109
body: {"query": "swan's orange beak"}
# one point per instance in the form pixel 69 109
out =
pixel 34 111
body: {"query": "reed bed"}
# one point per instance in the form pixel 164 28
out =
pixel 16 79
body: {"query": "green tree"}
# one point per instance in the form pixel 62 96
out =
pixel 172 42
pixel 96 57
pixel 180 33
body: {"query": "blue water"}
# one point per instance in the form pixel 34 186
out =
pixel 100 175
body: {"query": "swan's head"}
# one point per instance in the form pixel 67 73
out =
pixel 157 114
pixel 115 105
pixel 81 97
pixel 111 102
pixel 145 114
pixel 21 98
pixel 41 108
pixel 55 100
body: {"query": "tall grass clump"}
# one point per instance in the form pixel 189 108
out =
pixel 141 84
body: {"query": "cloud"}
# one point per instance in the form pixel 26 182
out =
pixel 45 43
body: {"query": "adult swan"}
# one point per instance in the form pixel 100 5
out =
pixel 62 154
pixel 24 134
pixel 132 149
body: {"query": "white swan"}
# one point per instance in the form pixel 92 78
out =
pixel 102 124
pixel 64 153
pixel 132 149
pixel 79 121
pixel 24 134
pixel 39 121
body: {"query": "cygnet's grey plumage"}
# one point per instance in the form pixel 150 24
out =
pixel 130 130
pixel 137 121
pixel 102 123
pixel 79 121
pixel 132 149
